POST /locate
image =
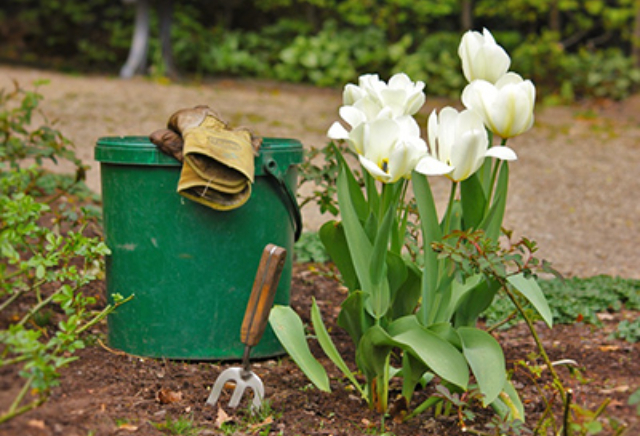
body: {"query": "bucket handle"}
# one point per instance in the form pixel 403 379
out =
pixel 272 168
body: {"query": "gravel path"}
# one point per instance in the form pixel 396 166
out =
pixel 575 188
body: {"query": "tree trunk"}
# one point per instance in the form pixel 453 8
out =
pixel 466 17
pixel 554 17
pixel 165 10
pixel 635 36
pixel 137 60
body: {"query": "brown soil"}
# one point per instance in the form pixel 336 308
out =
pixel 574 190
pixel 109 393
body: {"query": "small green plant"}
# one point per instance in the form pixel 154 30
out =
pixel 628 330
pixel 634 399
pixel 309 248
pixel 248 421
pixel 182 426
pixel 47 260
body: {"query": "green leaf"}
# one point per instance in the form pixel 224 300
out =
pixel 329 347
pixel 413 370
pixel 430 232
pixel 355 192
pixel 359 246
pixel 373 351
pixel 486 359
pixel 474 297
pixel 335 242
pixel 473 202
pixel 380 298
pixel 512 400
pixel 353 318
pixel 439 355
pixel 288 327
pixel 492 222
pixel 528 286
pixel 404 298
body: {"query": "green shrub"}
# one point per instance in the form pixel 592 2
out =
pixel 434 61
pixel 333 56
pixel 581 299
pixel 46 258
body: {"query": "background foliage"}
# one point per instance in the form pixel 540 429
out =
pixel 569 48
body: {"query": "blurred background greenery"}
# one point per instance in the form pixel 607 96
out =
pixel 570 48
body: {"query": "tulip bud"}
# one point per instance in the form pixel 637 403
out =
pixel 482 58
pixel 506 107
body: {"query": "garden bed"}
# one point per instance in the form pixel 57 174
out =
pixel 108 392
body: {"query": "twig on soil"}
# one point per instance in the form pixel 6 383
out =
pixel 111 350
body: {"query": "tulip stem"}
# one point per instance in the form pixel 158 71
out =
pixel 492 183
pixel 447 220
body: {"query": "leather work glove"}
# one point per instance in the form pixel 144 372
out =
pixel 218 163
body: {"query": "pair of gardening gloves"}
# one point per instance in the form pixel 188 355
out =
pixel 217 162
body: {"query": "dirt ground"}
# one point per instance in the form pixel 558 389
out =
pixel 574 190
pixel 107 392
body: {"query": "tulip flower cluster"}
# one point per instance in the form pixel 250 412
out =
pixel 426 309
pixel 387 139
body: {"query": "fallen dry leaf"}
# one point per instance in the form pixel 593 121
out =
pixel 36 423
pixel 166 396
pixel 222 418
pixel 619 389
pixel 606 348
pixel 128 427
pixel 258 426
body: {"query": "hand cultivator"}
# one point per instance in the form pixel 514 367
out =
pixel 253 326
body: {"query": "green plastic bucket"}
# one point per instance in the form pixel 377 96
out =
pixel 189 267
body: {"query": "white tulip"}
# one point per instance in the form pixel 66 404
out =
pixel 373 99
pixel 482 58
pixel 391 148
pixel 506 107
pixel 377 99
pixel 458 145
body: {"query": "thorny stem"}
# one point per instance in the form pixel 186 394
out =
pixel 566 428
pixel 40 305
pixel 10 300
pixel 14 410
pixel 502 322
pixel 19 397
pixel 536 338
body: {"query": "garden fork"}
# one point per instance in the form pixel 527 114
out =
pixel 253 326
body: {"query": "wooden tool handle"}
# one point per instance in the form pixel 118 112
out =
pixel 262 294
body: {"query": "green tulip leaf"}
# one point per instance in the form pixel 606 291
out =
pixel 439 355
pixel 353 318
pixel 373 352
pixel 473 201
pixel 405 297
pixel 508 405
pixel 529 288
pixel 329 347
pixel 413 370
pixel 430 232
pixel 492 222
pixel 486 359
pixel 335 242
pixel 288 327
pixel 474 297
pixel 355 192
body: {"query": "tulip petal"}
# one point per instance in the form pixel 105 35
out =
pixel 431 166
pixel 374 169
pixel 337 131
pixel 352 115
pixel 501 152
